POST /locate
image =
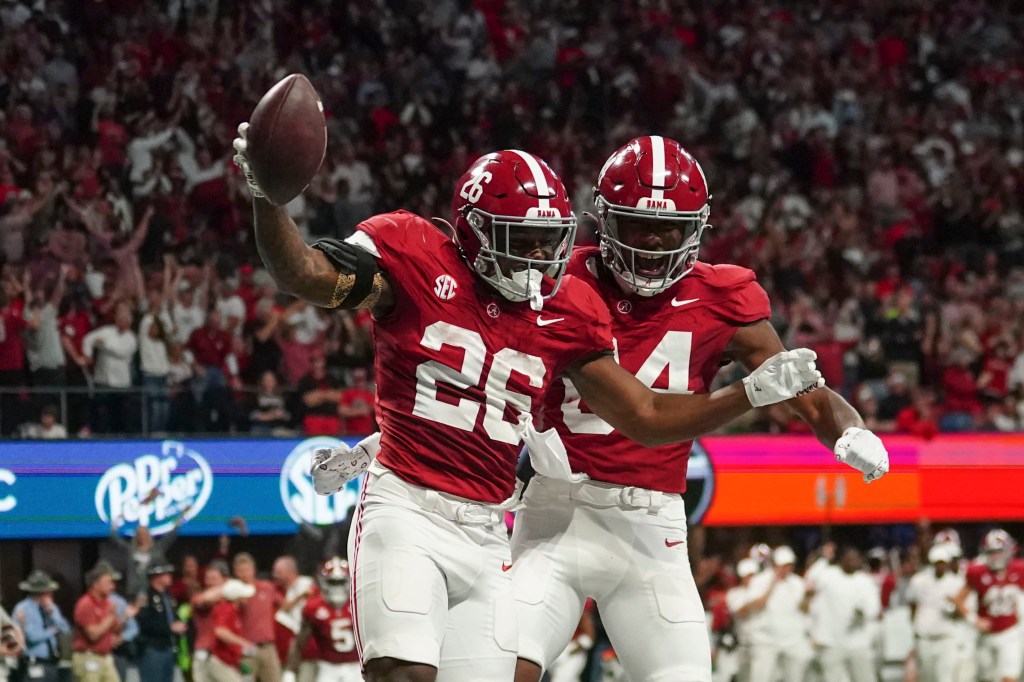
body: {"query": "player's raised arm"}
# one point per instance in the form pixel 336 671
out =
pixel 834 421
pixel 651 418
pixel 333 275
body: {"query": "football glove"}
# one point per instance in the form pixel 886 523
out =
pixel 332 468
pixel 864 451
pixel 241 145
pixel 783 376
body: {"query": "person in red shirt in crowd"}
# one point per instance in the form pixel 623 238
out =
pixel 919 418
pixel 97 628
pixel 327 621
pixel 12 348
pixel 257 618
pixel 229 644
pixel 211 346
pixel 961 394
pixel 320 397
pixel 74 323
pixel 189 582
pixel 356 405
pixel 203 604
pixel 994 380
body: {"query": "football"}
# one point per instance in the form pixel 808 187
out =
pixel 287 139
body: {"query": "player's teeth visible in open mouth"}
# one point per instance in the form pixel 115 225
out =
pixel 650 265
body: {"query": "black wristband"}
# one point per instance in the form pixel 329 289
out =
pixel 352 260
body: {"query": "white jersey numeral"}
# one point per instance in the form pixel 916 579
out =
pixel 672 352
pixel 474 187
pixel 462 412
pixel 1001 600
pixel 341 635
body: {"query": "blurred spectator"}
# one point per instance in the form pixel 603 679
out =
pixel 109 350
pixel 257 618
pixel 48 427
pixel 211 347
pixel 356 405
pixel 142 552
pixel 319 394
pixel 97 627
pixel 156 331
pixel 159 627
pixel 919 419
pixel 294 589
pixel 42 336
pixel 42 623
pixel 205 638
pixel 126 653
pixel 188 582
pixel 230 646
pixel 960 388
pixel 12 642
pixel 270 415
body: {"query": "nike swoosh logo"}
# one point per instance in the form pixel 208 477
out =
pixel 673 544
pixel 505 567
pixel 541 322
pixel 676 302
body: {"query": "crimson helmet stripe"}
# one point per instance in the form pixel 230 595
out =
pixel 543 190
pixel 658 170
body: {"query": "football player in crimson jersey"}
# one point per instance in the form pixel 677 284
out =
pixel 327 621
pixel 469 333
pixel 997 579
pixel 616 530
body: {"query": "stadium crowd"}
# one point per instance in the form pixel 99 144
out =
pixel 824 611
pixel 866 159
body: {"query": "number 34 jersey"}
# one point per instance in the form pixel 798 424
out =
pixel 672 342
pixel 457 364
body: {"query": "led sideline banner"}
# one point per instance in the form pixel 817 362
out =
pixel 76 488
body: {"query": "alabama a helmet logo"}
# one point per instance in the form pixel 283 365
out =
pixel 444 287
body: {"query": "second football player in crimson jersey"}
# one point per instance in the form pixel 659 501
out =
pixel 616 530
pixel 470 332
pixel 997 579
pixel 327 626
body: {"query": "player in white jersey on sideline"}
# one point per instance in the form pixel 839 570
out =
pixel 936 629
pixel 778 639
pixel 844 610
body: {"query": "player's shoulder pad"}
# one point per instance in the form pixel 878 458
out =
pixel 399 228
pixel 732 290
pixel 722 277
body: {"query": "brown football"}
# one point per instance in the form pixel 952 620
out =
pixel 287 139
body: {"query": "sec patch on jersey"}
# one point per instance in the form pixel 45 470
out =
pixel 287 139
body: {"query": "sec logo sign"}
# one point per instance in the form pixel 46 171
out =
pixel 297 493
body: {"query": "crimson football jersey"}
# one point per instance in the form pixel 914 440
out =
pixel 997 592
pixel 672 342
pixel 331 627
pixel 457 363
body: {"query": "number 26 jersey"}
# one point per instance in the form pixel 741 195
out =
pixel 457 364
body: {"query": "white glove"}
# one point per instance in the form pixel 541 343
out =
pixel 288 676
pixel 332 468
pixel 241 145
pixel 783 376
pixel 864 451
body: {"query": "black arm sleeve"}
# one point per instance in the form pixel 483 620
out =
pixel 353 260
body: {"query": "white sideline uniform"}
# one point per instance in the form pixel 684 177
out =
pixel 1000 655
pixel 626 548
pixel 427 590
pixel 338 672
pixel 777 636
pixel 844 613
pixel 936 632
